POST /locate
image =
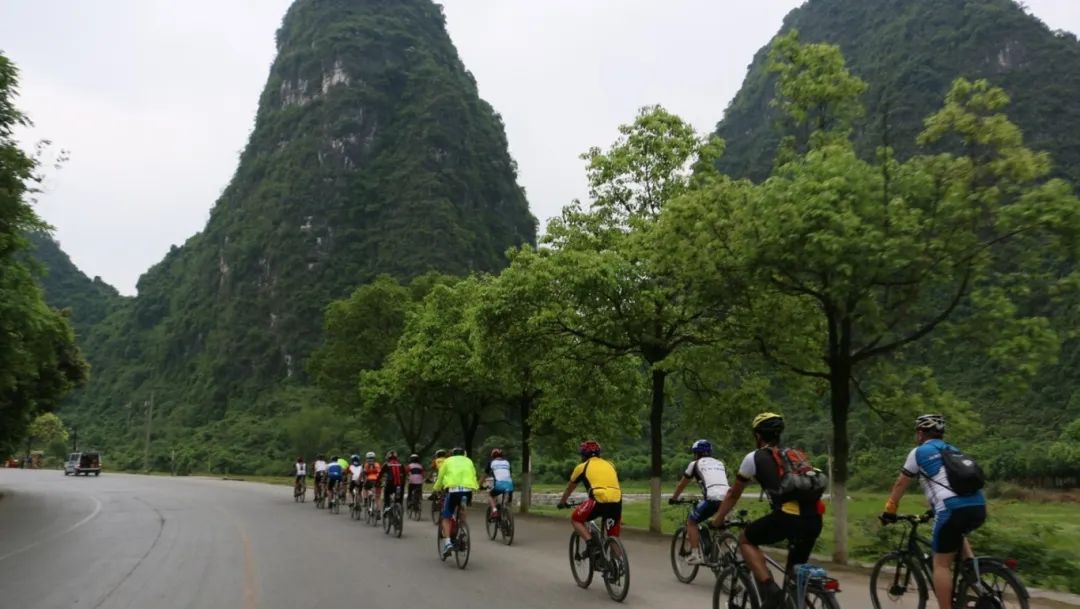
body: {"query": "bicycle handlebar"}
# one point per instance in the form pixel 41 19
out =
pixel 915 518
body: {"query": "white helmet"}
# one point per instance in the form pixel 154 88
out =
pixel 370 456
pixel 931 422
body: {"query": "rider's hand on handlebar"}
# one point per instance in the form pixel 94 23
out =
pixel 887 518
pixel 672 501
pixel 562 505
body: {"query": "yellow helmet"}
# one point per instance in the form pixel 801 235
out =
pixel 769 422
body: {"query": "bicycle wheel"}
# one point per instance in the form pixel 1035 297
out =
pixel 462 545
pixel 354 511
pixel 506 520
pixel 997 588
pixel 435 509
pixel 303 493
pixel 817 598
pixel 733 590
pixel 491 525
pixel 724 550
pixel 387 521
pixel 680 553
pixel 617 575
pixel 399 522
pixel 580 563
pixel 897 583
pixel 438 544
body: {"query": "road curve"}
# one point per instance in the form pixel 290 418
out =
pixel 139 542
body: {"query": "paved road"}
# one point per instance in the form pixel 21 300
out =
pixel 141 542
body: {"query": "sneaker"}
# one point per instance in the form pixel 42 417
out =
pixel 770 595
pixel 448 548
pixel 695 558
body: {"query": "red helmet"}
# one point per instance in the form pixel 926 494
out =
pixel 589 448
pixel 496 453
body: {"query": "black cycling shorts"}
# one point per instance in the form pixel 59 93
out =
pixel 801 532
pixel 953 525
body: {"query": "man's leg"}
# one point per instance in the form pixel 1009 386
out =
pixel 943 578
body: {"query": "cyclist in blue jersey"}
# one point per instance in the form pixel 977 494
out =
pixel 334 474
pixel 955 515
pixel 502 483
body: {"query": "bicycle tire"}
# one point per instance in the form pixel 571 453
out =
pixel 399 522
pixel 618 569
pixel 898 583
pixel 733 590
pixel 438 544
pixel 507 522
pixel 492 526
pixel 680 552
pixel 724 550
pixel 462 545
pixel 581 566
pixel 998 580
pixel 817 598
pixel 387 522
pixel 435 509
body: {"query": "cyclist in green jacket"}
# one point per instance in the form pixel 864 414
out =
pixel 457 476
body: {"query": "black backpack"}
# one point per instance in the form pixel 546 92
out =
pixel 963 473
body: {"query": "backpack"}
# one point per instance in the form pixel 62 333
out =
pixel 963 473
pixel 799 479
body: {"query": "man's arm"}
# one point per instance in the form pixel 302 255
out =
pixel 566 494
pixel 903 481
pixel 729 501
pixel 679 488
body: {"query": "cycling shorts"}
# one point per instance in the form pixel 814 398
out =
pixel 703 510
pixel 320 476
pixel 610 513
pixel 801 532
pixel 451 501
pixel 334 482
pixel 950 527
pixel 392 491
pixel 502 486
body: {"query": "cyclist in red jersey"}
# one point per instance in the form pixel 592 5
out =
pixel 392 477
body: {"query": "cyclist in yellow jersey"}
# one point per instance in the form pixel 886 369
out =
pixel 605 495
pixel 458 480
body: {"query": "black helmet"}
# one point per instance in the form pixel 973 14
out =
pixel 457 451
pixel 769 422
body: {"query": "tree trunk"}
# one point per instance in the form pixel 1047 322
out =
pixel 840 389
pixel 526 456
pixel 656 471
pixel 469 424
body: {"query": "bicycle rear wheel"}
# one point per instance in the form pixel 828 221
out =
pixel 617 576
pixel 897 583
pixel 399 522
pixel 462 545
pixel 817 598
pixel 435 509
pixel 506 521
pixel 491 525
pixel 680 554
pixel 580 563
pixel 997 588
pixel 387 521
pixel 733 590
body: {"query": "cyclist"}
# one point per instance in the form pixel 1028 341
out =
pixel 437 461
pixel 457 476
pixel 344 463
pixel 301 471
pixel 799 522
pixel 711 475
pixel 334 473
pixel 354 472
pixel 371 477
pixel 320 471
pixel 954 516
pixel 415 472
pixel 498 474
pixel 392 479
pixel 605 496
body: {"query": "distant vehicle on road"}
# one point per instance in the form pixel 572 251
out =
pixel 83 463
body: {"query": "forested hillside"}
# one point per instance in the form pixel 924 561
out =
pixel 909 53
pixel 65 286
pixel 371 153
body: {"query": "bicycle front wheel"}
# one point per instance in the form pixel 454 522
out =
pixel 617 577
pixel 680 554
pixel 462 546
pixel 997 588
pixel 733 590
pixel 580 562
pixel 897 583
pixel 724 550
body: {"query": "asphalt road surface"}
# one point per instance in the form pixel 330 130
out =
pixel 146 542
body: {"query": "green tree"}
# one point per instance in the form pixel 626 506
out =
pixel 604 283
pixel 852 261
pixel 39 361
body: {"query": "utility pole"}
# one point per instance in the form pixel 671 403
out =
pixel 174 461
pixel 127 426
pixel 74 439
pixel 149 426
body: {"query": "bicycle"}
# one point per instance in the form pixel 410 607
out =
pixel 356 509
pixel 983 583
pixel 614 564
pixel 300 490
pixel 392 516
pixel 736 588
pixel 717 546
pixel 503 523
pixel 459 535
pixel 332 500
pixel 320 494
pixel 369 507
pixel 412 504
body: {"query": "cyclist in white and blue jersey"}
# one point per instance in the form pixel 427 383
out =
pixel 711 476
pixel 498 472
pixel 955 515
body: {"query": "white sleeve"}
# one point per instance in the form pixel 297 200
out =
pixel 911 465
pixel 689 473
pixel 747 469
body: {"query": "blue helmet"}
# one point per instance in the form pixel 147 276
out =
pixel 701 447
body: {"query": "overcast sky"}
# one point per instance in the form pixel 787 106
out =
pixel 155 98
